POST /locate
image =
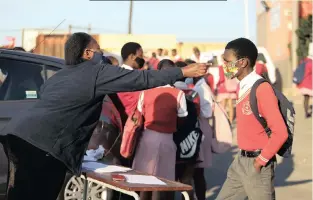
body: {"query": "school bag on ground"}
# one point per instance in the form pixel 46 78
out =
pixel 188 136
pixel 298 74
pixel 287 111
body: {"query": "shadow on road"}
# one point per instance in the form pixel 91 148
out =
pixel 284 170
pixel 216 175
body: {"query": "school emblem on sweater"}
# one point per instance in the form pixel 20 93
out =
pixel 246 109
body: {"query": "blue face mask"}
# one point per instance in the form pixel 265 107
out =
pixel 97 57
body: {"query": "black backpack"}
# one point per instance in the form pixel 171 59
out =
pixel 287 111
pixel 188 136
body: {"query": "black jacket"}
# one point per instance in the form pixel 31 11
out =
pixel 62 121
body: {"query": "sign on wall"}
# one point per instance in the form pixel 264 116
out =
pixel 275 15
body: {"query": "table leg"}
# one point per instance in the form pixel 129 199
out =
pixel 85 188
pixel 186 195
pixel 130 193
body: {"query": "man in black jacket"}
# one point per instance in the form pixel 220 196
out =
pixel 52 136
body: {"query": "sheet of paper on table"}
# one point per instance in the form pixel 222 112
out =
pixel 143 179
pixel 103 168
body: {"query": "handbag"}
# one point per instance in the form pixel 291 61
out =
pixel 131 133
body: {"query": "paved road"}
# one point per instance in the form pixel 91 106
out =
pixel 293 175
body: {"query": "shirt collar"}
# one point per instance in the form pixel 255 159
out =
pixel 247 82
pixel 168 85
pixel 127 67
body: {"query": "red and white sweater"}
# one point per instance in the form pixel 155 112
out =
pixel 250 133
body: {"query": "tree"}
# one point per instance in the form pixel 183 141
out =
pixel 304 33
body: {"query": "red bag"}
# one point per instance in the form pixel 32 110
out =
pixel 131 134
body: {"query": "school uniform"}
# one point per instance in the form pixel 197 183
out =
pixel 260 68
pixel 128 100
pixel 156 150
pixel 305 86
pixel 205 105
pixel 154 63
pixel 210 81
pixel 254 144
pixel 177 58
pixel 206 102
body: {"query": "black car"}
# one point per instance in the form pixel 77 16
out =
pixel 21 76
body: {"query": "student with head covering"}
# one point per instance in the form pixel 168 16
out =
pixel 51 137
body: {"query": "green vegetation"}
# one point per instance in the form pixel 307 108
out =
pixel 304 33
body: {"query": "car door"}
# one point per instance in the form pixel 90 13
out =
pixel 20 83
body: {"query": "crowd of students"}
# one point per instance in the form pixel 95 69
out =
pixel 161 90
pixel 165 109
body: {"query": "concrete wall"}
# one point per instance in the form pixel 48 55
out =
pixel 274 30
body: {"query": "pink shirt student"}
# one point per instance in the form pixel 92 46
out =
pixel 156 151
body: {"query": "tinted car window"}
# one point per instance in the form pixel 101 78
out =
pixel 22 80
pixel 48 71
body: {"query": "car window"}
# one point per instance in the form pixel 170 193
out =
pixel 48 72
pixel 20 80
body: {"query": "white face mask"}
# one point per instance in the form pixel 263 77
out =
pixel 230 69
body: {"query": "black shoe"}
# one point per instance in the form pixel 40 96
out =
pixel 308 115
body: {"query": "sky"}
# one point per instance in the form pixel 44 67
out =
pixel 196 21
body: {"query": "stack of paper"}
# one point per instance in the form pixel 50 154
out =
pixel 112 168
pixel 143 179
pixel 103 168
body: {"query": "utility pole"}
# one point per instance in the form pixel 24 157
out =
pixel 70 29
pixel 89 28
pixel 130 17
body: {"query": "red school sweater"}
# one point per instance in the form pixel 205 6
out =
pixel 250 133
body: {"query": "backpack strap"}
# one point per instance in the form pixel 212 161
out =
pixel 254 105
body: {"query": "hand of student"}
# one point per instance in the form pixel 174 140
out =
pixel 195 70
pixel 257 166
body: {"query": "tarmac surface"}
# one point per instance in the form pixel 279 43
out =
pixel 293 179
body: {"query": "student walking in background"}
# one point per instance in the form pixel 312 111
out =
pixel 305 86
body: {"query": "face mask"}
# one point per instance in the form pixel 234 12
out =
pixel 97 57
pixel 230 69
pixel 105 60
pixel 140 62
